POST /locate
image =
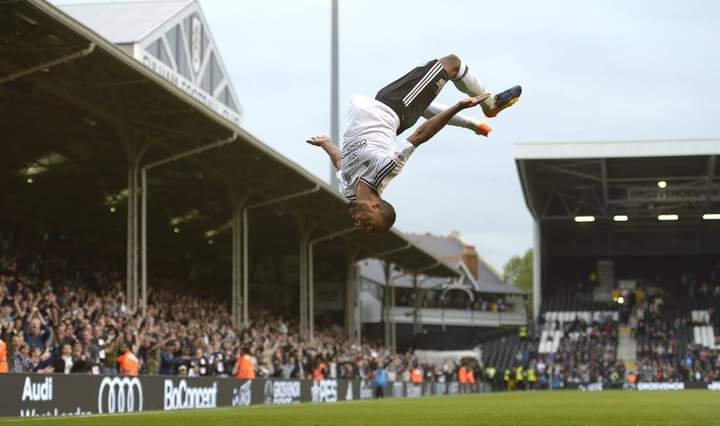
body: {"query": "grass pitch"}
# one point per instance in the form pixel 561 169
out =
pixel 690 407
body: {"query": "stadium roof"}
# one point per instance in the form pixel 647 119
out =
pixel 617 149
pixel 66 92
pixel 637 179
pixel 451 250
pixel 125 22
pixel 372 270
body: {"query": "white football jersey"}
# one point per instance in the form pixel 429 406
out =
pixel 370 152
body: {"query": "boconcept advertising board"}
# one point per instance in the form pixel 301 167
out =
pixel 77 395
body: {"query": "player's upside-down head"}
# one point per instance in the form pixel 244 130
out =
pixel 375 215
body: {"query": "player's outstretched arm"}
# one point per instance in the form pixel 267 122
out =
pixel 430 127
pixel 326 144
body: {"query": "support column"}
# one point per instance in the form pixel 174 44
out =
pixel 393 325
pixel 304 238
pixel 237 303
pixel 130 260
pixel 310 289
pixel 133 239
pixel 352 298
pixel 387 308
pixel 417 326
pixel 537 270
pixel 245 268
pixel 358 318
pixel 234 268
pixel 143 241
pixel 136 241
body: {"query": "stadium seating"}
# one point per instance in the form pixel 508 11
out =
pixel 703 331
pixel 704 336
pixel 505 352
pixel 549 341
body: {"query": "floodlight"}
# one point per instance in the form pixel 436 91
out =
pixel 584 219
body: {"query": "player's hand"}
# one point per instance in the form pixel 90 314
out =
pixel 472 101
pixel 318 140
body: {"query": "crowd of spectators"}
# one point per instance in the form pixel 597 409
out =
pixel 656 334
pixel 664 355
pixel 664 328
pixel 588 350
pixel 59 314
pixel 701 364
pixel 62 316
pixel 587 353
pixel 657 311
pixel 460 300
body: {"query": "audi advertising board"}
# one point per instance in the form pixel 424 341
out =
pixel 32 395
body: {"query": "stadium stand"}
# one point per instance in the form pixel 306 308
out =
pixel 64 312
pixel 670 320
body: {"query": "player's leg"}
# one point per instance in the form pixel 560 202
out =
pixel 458 120
pixel 411 95
pixel 452 65
pixel 469 83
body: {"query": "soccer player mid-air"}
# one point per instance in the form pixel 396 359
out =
pixel 371 156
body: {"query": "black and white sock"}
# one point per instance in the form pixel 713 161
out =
pixel 469 83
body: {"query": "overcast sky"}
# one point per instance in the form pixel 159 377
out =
pixel 590 70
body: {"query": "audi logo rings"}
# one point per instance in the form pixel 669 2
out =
pixel 120 395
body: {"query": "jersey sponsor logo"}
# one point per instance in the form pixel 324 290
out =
pixel 120 395
pixel 350 158
pixel 353 147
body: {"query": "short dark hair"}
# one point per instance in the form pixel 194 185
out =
pixel 388 215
